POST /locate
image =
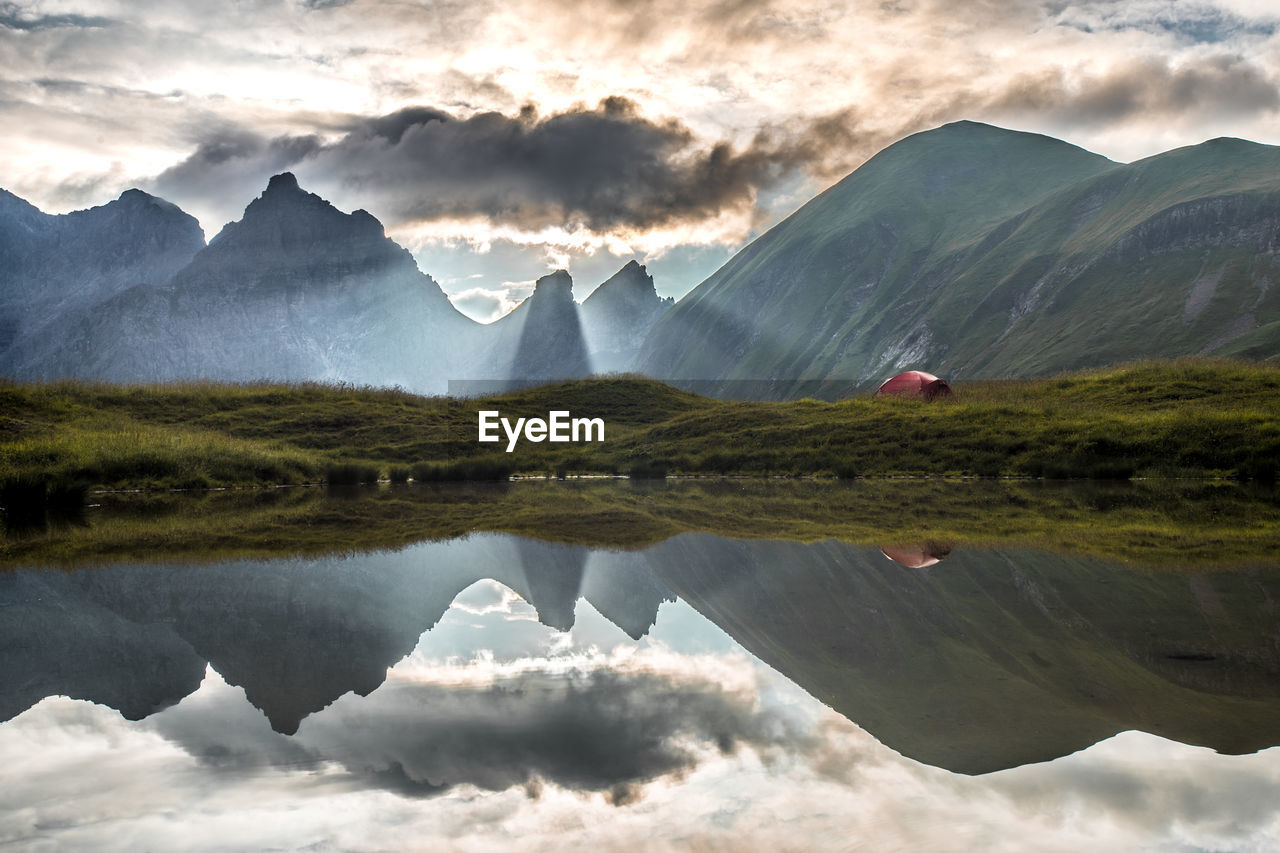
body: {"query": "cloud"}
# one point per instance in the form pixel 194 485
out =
pixel 1194 22
pixel 14 17
pixel 1145 88
pixel 80 777
pixel 597 731
pixel 604 168
pixel 1201 796
pixel 488 304
pixel 592 730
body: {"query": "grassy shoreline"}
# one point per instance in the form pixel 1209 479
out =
pixel 1187 418
pixel 1169 524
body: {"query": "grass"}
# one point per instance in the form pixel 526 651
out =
pixel 350 474
pixel 1190 418
pixel 1159 523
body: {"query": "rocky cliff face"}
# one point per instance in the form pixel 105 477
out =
pixel 295 290
pixel 299 290
pixel 541 339
pixel 617 317
pixel 549 336
pixel 55 267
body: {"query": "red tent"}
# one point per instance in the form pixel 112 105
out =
pixel 915 383
pixel 920 556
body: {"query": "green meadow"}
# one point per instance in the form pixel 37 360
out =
pixel 1198 419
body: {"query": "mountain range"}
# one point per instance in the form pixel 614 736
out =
pixel 294 290
pixel 969 250
pixel 972 251
pixel 992 660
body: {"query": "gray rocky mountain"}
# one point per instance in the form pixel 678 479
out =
pixel 295 634
pixel 294 290
pixel 617 317
pixel 56 267
pixel 541 339
pixel 550 336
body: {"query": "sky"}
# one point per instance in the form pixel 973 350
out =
pixel 501 140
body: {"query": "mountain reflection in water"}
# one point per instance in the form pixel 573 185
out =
pixel 995 660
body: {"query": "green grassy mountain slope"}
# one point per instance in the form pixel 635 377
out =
pixel 1172 255
pixel 979 252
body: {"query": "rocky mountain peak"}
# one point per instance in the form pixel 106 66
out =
pixel 554 286
pixel 15 206
pixel 618 315
pixel 149 218
pixel 282 183
pixel 288 221
pixel 134 199
pixel 630 285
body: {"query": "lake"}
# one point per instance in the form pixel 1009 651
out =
pixel 543 666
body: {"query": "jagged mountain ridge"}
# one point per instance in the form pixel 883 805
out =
pixel 974 251
pixel 540 339
pixel 551 336
pixel 294 290
pixel 294 634
pixel 617 317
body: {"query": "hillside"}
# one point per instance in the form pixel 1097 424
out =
pixel 1189 418
pixel 541 338
pixel 1001 658
pixel 977 252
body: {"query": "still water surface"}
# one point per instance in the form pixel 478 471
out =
pixel 500 692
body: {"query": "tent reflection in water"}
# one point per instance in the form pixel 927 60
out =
pixel 914 383
pixel 921 555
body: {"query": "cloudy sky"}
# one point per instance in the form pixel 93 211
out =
pixel 498 140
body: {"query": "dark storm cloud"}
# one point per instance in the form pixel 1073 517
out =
pixel 392 127
pixel 600 731
pixel 1151 88
pixel 606 167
